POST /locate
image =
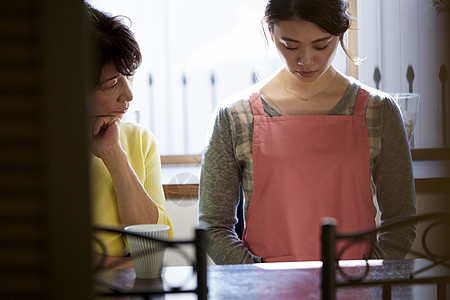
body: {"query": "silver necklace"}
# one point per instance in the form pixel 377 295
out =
pixel 310 97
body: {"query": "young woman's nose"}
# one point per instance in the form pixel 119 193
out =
pixel 305 58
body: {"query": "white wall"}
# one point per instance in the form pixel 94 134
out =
pixel 184 215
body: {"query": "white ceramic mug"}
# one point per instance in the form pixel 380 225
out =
pixel 147 255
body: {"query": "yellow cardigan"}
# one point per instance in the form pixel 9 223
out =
pixel 141 148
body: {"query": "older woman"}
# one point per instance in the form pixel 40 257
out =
pixel 126 186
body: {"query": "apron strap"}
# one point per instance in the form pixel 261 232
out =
pixel 361 102
pixel 256 105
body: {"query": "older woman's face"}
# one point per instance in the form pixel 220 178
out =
pixel 114 94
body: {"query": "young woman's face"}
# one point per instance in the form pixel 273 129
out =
pixel 113 96
pixel 304 48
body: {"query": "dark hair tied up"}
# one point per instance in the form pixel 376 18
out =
pixel 330 15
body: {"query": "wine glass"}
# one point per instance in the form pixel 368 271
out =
pixel 409 107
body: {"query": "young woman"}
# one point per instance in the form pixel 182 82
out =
pixel 126 164
pixel 310 142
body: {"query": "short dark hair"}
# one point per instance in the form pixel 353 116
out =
pixel 111 40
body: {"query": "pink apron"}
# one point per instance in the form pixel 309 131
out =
pixel 307 167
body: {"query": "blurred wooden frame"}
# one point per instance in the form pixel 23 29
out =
pixel 181 191
pixel 417 154
pixel 195 159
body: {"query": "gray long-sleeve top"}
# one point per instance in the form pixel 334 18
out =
pixel 228 165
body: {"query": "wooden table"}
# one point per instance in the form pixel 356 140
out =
pixel 297 280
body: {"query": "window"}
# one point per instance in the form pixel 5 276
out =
pixel 195 53
pixel 407 41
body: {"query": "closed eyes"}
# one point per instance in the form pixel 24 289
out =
pixel 317 48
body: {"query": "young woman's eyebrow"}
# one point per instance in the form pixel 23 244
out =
pixel 287 39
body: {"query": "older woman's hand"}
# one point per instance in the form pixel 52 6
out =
pixel 105 134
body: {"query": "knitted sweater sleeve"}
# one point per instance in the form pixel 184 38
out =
pixel 219 194
pixel 394 182
pixel 152 183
